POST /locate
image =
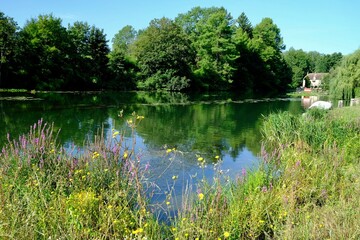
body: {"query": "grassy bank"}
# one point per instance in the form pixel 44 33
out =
pixel 307 187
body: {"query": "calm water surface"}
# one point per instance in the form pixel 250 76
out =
pixel 201 125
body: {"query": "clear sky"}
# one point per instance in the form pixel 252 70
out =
pixel 326 26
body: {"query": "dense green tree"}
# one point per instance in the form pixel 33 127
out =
pixel 164 56
pixel 268 43
pixel 247 64
pixel 122 65
pixel 204 48
pixel 123 39
pixel 330 61
pixel 211 30
pixel 81 55
pixel 345 78
pixel 8 29
pixel 216 52
pixel 44 52
pixel 189 21
pixel 99 50
pixel 122 72
pixel 245 24
pixel 89 59
pixel 323 62
pixel 300 64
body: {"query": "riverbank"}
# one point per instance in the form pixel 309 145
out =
pixel 306 188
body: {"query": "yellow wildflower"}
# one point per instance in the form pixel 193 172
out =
pixel 174 177
pixel 115 134
pixel 200 159
pixel 217 157
pixel 138 231
pixel 226 234
pixel 201 196
pixel 168 150
pixel 95 155
pixel 125 155
pixel 167 203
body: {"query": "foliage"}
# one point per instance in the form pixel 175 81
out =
pixel 268 44
pixel 8 29
pixel 299 62
pixel 302 62
pixel 215 50
pixel 43 59
pixel 122 72
pixel 203 49
pixel 245 24
pixel 163 51
pixel 345 78
pixel 123 39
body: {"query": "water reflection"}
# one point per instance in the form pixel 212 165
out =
pixel 306 101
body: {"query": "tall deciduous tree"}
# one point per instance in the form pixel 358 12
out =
pixel 99 50
pixel 123 39
pixel 8 29
pixel 44 54
pixel 122 65
pixel 268 43
pixel 300 64
pixel 345 79
pixel 90 59
pixel 164 55
pixel 211 30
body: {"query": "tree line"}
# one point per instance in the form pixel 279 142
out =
pixel 203 49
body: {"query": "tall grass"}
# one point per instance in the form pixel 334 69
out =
pixel 306 188
pixel 49 193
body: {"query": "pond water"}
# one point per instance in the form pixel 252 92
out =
pixel 200 125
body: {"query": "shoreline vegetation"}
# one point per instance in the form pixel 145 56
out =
pixel 307 187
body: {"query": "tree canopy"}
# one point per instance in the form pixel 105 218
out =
pixel 203 49
pixel 345 78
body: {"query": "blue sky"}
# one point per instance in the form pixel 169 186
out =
pixel 325 26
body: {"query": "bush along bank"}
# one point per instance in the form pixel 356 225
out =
pixel 307 187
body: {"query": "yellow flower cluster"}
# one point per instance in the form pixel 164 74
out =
pixel 95 155
pixel 138 231
pixel 201 196
pixel 226 234
pixel 169 150
pixel 115 133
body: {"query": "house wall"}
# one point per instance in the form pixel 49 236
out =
pixel 315 83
